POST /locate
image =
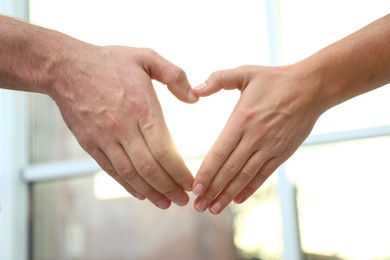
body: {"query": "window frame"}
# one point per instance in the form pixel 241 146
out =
pixel 14 158
pixel 13 189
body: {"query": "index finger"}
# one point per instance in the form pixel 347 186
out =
pixel 163 150
pixel 216 157
pixel 224 79
pixel 175 78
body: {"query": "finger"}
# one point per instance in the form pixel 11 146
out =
pixel 126 171
pixel 149 169
pixel 102 160
pixel 216 157
pixel 241 180
pixel 258 180
pixel 224 79
pixel 227 172
pixel 174 77
pixel 163 150
pixel 127 186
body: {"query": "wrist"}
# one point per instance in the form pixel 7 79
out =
pixel 65 60
pixel 55 55
pixel 322 79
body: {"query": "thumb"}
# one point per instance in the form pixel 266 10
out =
pixel 224 79
pixel 174 77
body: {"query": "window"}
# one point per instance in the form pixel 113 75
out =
pixel 342 194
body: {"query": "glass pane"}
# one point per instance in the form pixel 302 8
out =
pixel 50 138
pixel 71 223
pixel 343 191
pixel 94 218
pixel 185 32
pixel 258 224
pixel 308 26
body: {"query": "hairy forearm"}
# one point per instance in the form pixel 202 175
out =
pixel 30 55
pixel 352 66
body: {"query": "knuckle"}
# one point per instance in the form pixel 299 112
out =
pixel 144 117
pixel 220 152
pixel 229 169
pixel 150 51
pixel 245 175
pixel 216 76
pixel 160 152
pixel 85 142
pixel 219 78
pixel 248 191
pixel 210 195
pixel 113 123
pixel 244 68
pixel 148 170
pixel 204 175
pixel 177 74
pixel 265 173
pixel 127 174
pixel 144 53
pixel 109 169
pixel 269 167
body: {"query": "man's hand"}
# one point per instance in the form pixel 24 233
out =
pixel 106 97
pixel 274 115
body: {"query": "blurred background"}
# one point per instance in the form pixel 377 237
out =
pixel 328 201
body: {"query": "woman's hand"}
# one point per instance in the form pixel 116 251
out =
pixel 274 115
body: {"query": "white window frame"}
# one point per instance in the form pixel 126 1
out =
pixel 14 158
pixel 13 190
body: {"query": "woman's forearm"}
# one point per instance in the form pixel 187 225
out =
pixel 352 66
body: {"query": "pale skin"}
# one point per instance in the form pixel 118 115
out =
pixel 107 99
pixel 278 108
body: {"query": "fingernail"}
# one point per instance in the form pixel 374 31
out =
pixel 216 208
pixel 191 95
pixel 187 187
pixel 181 202
pixel 201 86
pixel 163 204
pixel 201 205
pixel 198 189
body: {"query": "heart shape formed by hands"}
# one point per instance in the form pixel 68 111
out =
pixel 107 99
pixel 122 125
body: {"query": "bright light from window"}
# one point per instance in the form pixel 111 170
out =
pixel 106 187
pixel 342 198
pixel 199 36
pixel 258 223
